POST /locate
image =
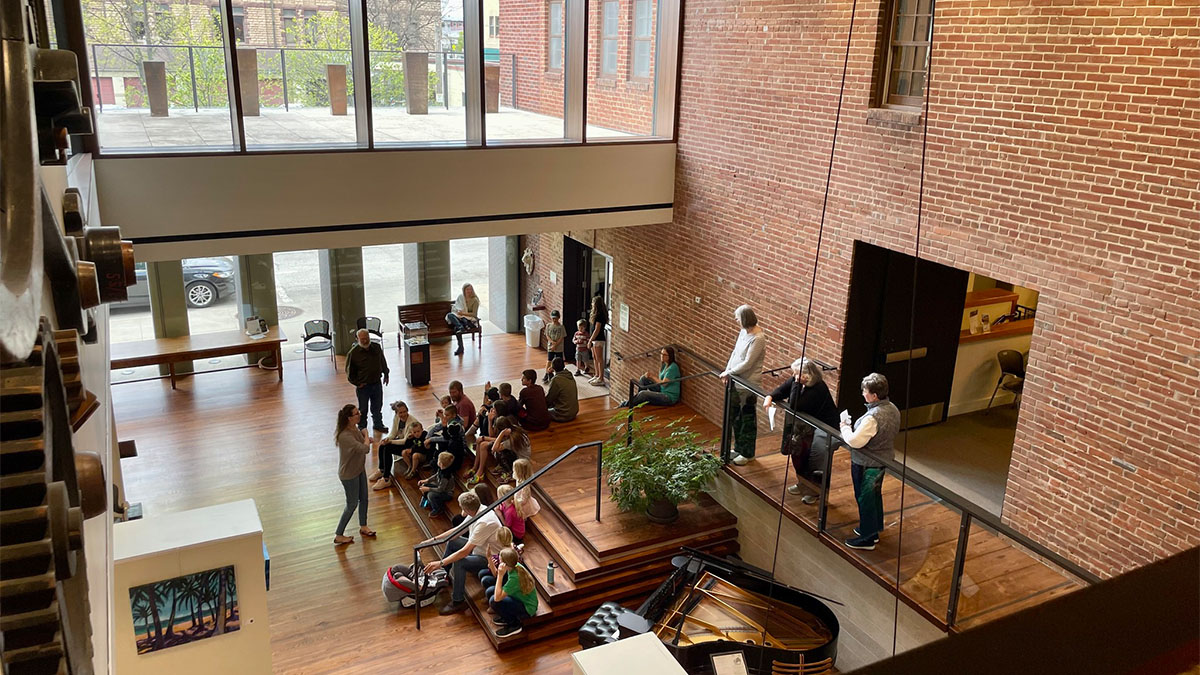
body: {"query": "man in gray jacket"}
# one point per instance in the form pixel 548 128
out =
pixel 870 438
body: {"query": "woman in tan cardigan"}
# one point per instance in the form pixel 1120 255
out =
pixel 353 448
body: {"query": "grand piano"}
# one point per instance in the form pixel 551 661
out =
pixel 712 605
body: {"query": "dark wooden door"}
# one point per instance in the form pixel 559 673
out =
pixel 577 289
pixel 913 344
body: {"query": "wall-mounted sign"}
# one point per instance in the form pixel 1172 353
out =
pixel 624 317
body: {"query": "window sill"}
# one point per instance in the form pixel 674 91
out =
pixel 894 117
pixel 554 75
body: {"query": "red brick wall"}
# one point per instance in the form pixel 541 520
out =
pixel 1063 155
pixel 618 102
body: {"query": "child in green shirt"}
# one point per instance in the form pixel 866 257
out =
pixel 516 599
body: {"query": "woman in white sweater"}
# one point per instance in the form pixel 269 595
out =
pixel 745 362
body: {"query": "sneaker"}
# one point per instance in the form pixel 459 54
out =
pixel 862 543
pixel 473 480
pixel 594 381
pixel 624 404
pixel 459 351
pixel 580 373
pixel 496 618
pixel 375 475
pixel 452 607
pixel 808 499
pixel 742 461
pixel 435 514
pixel 795 489
pixel 508 631
pixel 382 430
pixel 383 483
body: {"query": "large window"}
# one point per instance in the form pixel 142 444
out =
pixel 610 39
pixel 132 321
pixel 554 51
pixel 418 71
pixel 298 296
pixel 469 265
pixel 524 76
pixel 297 75
pixel 160 75
pixel 383 284
pixel 908 53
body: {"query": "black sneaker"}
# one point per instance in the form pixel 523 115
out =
pixel 452 608
pixel 862 543
pixel 508 631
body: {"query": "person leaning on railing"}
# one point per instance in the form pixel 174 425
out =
pixel 805 392
pixel 745 362
pixel 661 390
pixel 869 438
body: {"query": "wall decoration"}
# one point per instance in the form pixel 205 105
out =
pixel 527 260
pixel 184 609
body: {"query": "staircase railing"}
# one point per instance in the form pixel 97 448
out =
pixel 466 524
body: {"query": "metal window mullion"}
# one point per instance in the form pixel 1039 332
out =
pixel 574 65
pixel 473 81
pixel 232 77
pixel 360 65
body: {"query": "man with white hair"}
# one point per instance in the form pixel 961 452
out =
pixel 365 365
pixel 467 554
pixel 746 363
pixel 871 438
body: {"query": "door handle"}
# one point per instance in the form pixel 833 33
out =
pixel 906 354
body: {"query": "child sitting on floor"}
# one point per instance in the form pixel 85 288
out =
pixel 439 488
pixel 516 599
pixel 508 514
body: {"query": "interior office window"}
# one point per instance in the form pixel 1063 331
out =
pixel 908 52
pixel 643 38
pixel 608 40
pixel 239 24
pixel 555 44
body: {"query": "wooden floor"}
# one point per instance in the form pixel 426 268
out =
pixel 242 434
pixel 999 577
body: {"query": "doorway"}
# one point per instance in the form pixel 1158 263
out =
pixel 587 273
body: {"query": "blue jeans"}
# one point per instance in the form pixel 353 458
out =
pixel 370 397
pixel 356 497
pixel 511 610
pixel 458 570
pixel 868 492
pixel 459 324
pixel 651 393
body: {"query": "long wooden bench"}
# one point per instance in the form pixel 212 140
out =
pixel 432 314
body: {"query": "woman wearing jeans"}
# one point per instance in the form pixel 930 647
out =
pixel 353 448
pixel 661 390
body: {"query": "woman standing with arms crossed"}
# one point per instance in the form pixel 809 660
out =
pixel 599 320
pixel 353 448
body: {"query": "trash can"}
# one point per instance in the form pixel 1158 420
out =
pixel 533 330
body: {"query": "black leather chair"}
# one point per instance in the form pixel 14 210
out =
pixel 1012 365
pixel 317 338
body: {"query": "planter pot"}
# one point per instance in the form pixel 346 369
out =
pixel 662 512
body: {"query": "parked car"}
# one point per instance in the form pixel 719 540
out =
pixel 205 280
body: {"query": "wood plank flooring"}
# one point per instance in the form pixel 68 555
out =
pixel 242 434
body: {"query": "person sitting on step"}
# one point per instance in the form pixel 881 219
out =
pixel 469 553
pixel 516 599
pixel 508 514
pixel 439 488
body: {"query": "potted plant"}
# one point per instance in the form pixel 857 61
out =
pixel 658 469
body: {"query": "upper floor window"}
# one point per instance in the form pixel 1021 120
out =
pixel 643 39
pixel 554 62
pixel 239 24
pixel 288 24
pixel 608 38
pixel 908 52
pixel 493 26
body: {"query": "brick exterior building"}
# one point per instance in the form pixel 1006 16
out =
pixel 1063 155
pixel 619 98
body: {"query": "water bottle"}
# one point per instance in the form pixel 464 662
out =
pixel 550 567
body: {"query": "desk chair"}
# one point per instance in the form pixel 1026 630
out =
pixel 373 325
pixel 1012 364
pixel 317 338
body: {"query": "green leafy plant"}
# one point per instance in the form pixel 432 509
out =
pixel 646 465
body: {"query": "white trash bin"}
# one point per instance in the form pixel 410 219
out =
pixel 533 330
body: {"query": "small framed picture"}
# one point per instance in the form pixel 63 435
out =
pixel 728 663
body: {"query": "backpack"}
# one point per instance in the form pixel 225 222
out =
pixel 401 583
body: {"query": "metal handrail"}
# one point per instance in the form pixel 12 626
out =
pixel 467 523
pixel 969 509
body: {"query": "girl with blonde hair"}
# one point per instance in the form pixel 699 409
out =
pixel 515 600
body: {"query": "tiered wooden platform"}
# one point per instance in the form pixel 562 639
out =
pixel 622 557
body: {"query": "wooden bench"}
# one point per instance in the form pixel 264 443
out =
pixel 432 314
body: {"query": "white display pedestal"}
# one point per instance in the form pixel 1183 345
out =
pixel 160 548
pixel 639 655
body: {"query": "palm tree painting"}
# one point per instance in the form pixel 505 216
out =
pixel 184 609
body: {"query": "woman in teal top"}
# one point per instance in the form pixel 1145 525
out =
pixel 661 390
pixel 516 600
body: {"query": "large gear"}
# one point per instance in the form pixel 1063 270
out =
pixel 44 612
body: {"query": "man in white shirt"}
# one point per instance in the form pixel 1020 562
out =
pixel 745 362
pixel 468 554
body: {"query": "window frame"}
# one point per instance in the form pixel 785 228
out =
pixel 607 40
pixel 635 40
pixel 239 24
pixel 494 26
pixel 890 45
pixel 551 36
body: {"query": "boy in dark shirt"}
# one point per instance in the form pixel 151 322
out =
pixel 439 488
pixel 533 411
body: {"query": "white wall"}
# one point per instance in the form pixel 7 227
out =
pixel 866 616
pixel 976 372
pixel 210 204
